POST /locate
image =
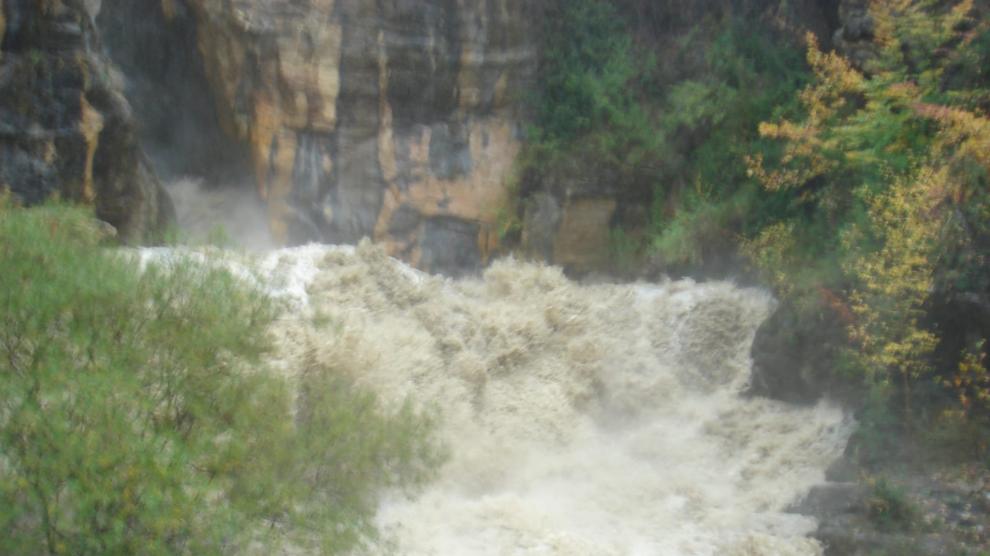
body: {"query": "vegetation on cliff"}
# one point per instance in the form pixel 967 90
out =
pixel 137 415
pixel 857 190
pixel 886 171
pixel 661 118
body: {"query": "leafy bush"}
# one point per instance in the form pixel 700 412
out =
pixel 888 165
pixel 705 200
pixel 136 415
pixel 588 68
pixel 588 107
pixel 655 119
pixel 889 507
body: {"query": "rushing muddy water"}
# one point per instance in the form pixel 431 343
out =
pixel 581 420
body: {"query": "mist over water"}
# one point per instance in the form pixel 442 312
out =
pixel 205 211
pixel 581 420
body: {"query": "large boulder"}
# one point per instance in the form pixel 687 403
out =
pixel 795 355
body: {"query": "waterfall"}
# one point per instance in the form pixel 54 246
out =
pixel 581 420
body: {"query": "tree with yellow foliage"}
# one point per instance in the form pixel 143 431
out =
pixel 889 167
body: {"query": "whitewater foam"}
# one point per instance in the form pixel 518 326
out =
pixel 582 420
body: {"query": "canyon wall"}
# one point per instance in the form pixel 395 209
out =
pixel 395 120
pixel 399 120
pixel 65 127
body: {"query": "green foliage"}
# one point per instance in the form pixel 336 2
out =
pixel 971 382
pixel 893 283
pixel 671 125
pixel 588 100
pixel 889 507
pixel 624 250
pixel 588 76
pixel 347 450
pixel 36 57
pixel 884 165
pixel 748 75
pixel 879 433
pixel 508 217
pixel 963 431
pixel 136 416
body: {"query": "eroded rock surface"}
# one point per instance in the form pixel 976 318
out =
pixel 64 126
pixel 396 120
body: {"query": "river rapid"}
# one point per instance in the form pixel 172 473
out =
pixel 581 419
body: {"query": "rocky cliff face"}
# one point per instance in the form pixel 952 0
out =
pixel 396 120
pixel 64 126
pixel 155 47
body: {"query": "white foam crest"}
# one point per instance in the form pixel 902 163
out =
pixel 582 420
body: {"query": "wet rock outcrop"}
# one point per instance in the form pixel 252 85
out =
pixel 396 120
pixel 154 45
pixel 65 128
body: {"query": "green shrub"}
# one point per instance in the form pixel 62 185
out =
pixel 588 67
pixel 136 416
pixel 704 200
pixel 885 168
pixel 889 507
pixel 879 436
pixel 588 104
pixel 667 119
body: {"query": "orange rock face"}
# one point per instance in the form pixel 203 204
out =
pixel 392 121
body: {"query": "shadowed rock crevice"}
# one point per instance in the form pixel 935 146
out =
pixel 165 82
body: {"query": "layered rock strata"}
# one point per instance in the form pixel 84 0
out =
pixel 396 120
pixel 65 128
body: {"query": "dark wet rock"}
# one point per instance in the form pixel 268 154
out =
pixel 942 511
pixel 165 81
pixel 66 129
pixel 832 500
pixel 450 246
pixel 794 358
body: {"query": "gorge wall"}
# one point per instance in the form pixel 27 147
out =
pixel 399 120
pixel 65 127
pixel 393 120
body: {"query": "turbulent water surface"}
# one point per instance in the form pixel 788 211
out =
pixel 582 420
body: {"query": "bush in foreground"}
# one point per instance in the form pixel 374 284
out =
pixel 136 415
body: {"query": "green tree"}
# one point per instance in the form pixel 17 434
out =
pixel 888 167
pixel 137 417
